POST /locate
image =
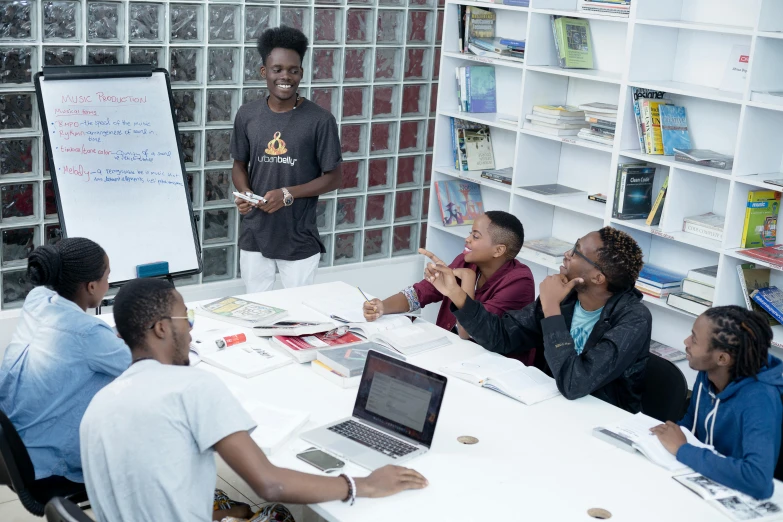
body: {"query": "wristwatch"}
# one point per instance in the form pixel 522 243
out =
pixel 288 199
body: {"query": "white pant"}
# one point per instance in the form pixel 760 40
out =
pixel 258 272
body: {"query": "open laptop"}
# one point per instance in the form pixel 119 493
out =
pixel 394 416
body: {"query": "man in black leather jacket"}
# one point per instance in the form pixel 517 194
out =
pixel 589 326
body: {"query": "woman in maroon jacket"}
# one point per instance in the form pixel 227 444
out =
pixel 487 269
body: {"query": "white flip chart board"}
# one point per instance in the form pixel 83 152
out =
pixel 116 165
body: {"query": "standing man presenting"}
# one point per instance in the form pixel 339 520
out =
pixel 286 149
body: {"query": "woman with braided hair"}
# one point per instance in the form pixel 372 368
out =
pixel 60 357
pixel 736 402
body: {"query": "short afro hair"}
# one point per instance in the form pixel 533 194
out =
pixel 506 229
pixel 620 258
pixel 138 305
pixel 283 37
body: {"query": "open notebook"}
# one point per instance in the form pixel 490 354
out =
pixel 732 503
pixel 397 333
pixel 510 377
pixel 236 351
pixel 348 309
pixel 633 434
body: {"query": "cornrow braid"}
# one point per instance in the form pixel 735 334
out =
pixel 743 334
pixel 620 258
pixel 66 265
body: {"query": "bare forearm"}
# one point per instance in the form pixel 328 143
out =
pixel 240 177
pixel 396 304
pixel 303 488
pixel 321 185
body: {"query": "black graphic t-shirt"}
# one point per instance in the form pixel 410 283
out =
pixel 283 150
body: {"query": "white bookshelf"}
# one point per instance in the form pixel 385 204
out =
pixel 678 46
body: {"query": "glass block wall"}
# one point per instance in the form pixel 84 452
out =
pixel 373 64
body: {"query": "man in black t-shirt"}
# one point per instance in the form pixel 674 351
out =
pixel 287 150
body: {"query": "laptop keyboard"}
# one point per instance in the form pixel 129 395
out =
pixel 374 439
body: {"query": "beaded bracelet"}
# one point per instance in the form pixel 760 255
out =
pixel 351 489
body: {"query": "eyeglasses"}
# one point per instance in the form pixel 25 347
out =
pixel 575 251
pixel 191 317
pixel 334 333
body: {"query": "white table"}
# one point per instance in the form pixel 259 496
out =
pixel 533 463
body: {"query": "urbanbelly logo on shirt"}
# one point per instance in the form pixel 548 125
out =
pixel 275 150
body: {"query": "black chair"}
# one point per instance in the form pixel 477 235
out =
pixel 63 510
pixel 17 472
pixel 666 390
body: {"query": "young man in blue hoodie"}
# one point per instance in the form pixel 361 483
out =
pixel 736 402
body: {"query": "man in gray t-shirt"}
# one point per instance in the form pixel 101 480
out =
pixel 287 150
pixel 148 439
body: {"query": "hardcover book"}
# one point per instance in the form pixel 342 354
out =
pixel 654 217
pixel 761 218
pixel 635 194
pixel 459 201
pixel 753 277
pixel 704 157
pixel 349 361
pixel 707 225
pixel 659 277
pixel 771 300
pixel 478 150
pixel 688 303
pixel 573 42
pixel 481 95
pixel 553 190
pixel 674 128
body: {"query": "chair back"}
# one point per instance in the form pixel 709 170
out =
pixel 60 509
pixel 16 468
pixel 666 390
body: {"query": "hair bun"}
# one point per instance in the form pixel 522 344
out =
pixel 43 266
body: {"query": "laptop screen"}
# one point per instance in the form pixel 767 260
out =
pixel 400 397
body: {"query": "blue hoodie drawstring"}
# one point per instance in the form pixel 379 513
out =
pixel 710 433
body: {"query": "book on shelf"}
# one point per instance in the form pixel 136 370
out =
pixel 772 255
pixel 761 219
pixel 596 136
pixel 633 191
pixel 704 158
pixel 753 277
pixel 599 108
pixel 599 197
pixel 655 291
pixel 539 121
pixel 499 175
pixel 652 125
pixel 698 289
pixel 633 434
pixel 459 201
pixel 773 97
pixel 709 225
pixel 502 46
pixel 707 275
pixel 688 303
pixel 770 299
pixel 602 119
pixel 605 7
pixel 349 361
pixel 241 312
pixel 554 189
pixel 304 348
pixel 526 384
pixel 275 426
pixel 666 352
pixel 478 93
pixel 639 95
pixel 459 128
pixel 550 250
pixel 573 43
pixel 674 128
pixel 544 129
pixel 478 149
pixel 559 111
pixel 236 352
pixel 660 277
pixel 332 376
pixel 736 69
pixel 506 55
pixel 731 503
pixel 292 328
pixel 554 120
pixel 656 211
pixel 479 23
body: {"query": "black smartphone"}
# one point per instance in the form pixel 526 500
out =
pixel 321 460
